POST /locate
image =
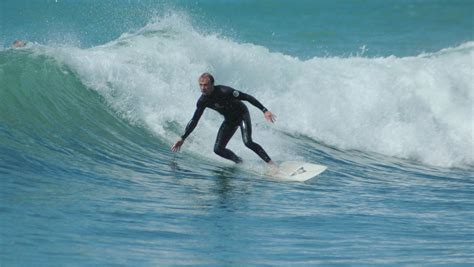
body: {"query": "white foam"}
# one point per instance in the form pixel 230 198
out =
pixel 413 107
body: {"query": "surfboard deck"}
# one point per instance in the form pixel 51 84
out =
pixel 296 171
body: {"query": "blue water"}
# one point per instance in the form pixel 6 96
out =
pixel 379 91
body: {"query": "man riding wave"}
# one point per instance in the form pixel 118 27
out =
pixel 228 102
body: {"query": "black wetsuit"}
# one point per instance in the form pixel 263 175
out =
pixel 227 101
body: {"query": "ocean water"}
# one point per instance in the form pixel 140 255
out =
pixel 379 91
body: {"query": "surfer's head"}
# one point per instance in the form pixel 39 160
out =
pixel 206 83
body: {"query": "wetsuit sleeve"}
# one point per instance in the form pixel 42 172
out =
pixel 252 100
pixel 194 120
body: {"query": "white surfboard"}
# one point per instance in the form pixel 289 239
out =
pixel 296 171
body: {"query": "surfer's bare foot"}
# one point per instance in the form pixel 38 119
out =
pixel 272 168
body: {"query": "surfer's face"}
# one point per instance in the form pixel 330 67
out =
pixel 206 86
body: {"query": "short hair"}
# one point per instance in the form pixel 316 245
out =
pixel 207 75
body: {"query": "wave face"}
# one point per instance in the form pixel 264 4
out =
pixel 50 121
pixel 417 108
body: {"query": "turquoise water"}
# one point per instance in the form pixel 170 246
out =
pixel 379 91
pixel 304 28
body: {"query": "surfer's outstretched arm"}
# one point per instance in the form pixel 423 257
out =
pixel 269 116
pixel 189 127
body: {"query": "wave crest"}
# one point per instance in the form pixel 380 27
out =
pixel 412 107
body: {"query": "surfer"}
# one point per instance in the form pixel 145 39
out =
pixel 228 102
pixel 18 43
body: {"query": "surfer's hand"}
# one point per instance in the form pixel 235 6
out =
pixel 269 116
pixel 177 146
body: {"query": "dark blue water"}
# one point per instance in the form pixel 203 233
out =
pixel 381 93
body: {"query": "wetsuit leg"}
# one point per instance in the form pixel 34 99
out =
pixel 226 131
pixel 246 128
